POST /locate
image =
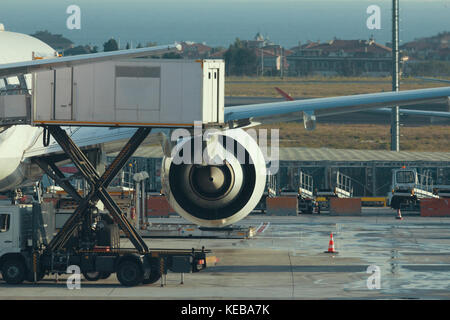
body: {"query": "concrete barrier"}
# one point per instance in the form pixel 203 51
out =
pixel 345 206
pixel 158 206
pixel 435 207
pixel 282 206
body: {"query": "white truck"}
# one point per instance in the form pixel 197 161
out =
pixel 21 234
pixel 408 187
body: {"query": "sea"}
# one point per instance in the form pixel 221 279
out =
pixel 219 22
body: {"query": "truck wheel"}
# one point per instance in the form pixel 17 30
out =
pixel 92 276
pixel 155 272
pixel 130 273
pixel 13 271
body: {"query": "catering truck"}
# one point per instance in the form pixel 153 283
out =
pixel 26 254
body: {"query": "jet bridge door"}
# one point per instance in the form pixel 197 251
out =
pixel 213 92
pixel 62 94
pixel 213 78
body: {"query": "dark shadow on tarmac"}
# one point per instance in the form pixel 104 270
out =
pixel 286 268
pixel 50 283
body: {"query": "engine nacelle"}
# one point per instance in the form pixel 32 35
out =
pixel 219 193
pixel 309 120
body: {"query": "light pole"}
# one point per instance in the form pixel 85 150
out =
pixel 395 115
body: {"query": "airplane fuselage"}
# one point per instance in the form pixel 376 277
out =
pixel 15 169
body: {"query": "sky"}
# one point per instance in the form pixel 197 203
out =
pixel 219 22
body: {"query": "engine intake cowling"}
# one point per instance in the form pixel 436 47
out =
pixel 219 193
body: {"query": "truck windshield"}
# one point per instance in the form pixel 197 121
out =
pixel 4 222
pixel 405 177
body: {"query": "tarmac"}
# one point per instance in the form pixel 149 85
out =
pixel 287 261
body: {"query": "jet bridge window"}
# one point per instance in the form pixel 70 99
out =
pixel 4 222
pixel 10 86
pixel 405 177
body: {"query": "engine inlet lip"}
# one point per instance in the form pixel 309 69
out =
pixel 222 192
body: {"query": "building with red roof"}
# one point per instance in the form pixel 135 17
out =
pixel 431 48
pixel 341 57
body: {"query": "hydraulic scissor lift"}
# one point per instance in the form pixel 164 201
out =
pixel 77 243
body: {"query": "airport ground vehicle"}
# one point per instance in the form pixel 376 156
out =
pixel 443 191
pixel 89 239
pixel 306 199
pixel 304 193
pixel 269 191
pixel 27 230
pixel 341 188
pixel 408 187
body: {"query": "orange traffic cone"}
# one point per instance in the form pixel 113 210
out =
pixel 331 245
pixel 399 215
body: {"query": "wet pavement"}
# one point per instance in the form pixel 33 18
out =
pixel 287 261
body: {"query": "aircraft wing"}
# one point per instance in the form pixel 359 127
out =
pixel 337 105
pixel 110 139
pixel 425 113
pixel 18 68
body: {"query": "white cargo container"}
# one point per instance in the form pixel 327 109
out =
pixel 133 92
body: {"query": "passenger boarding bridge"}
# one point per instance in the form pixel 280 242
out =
pixel 132 92
pixel 142 93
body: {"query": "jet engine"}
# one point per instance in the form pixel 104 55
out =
pixel 222 188
pixel 309 120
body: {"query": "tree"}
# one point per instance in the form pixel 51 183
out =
pixel 128 46
pixel 171 55
pixel 78 50
pixel 240 60
pixel 56 41
pixel 110 45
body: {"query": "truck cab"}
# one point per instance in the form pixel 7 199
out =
pixel 408 187
pixel 8 240
pixel 15 241
pixel 404 180
pixel 15 222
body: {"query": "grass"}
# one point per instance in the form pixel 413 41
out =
pixel 311 87
pixel 362 136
